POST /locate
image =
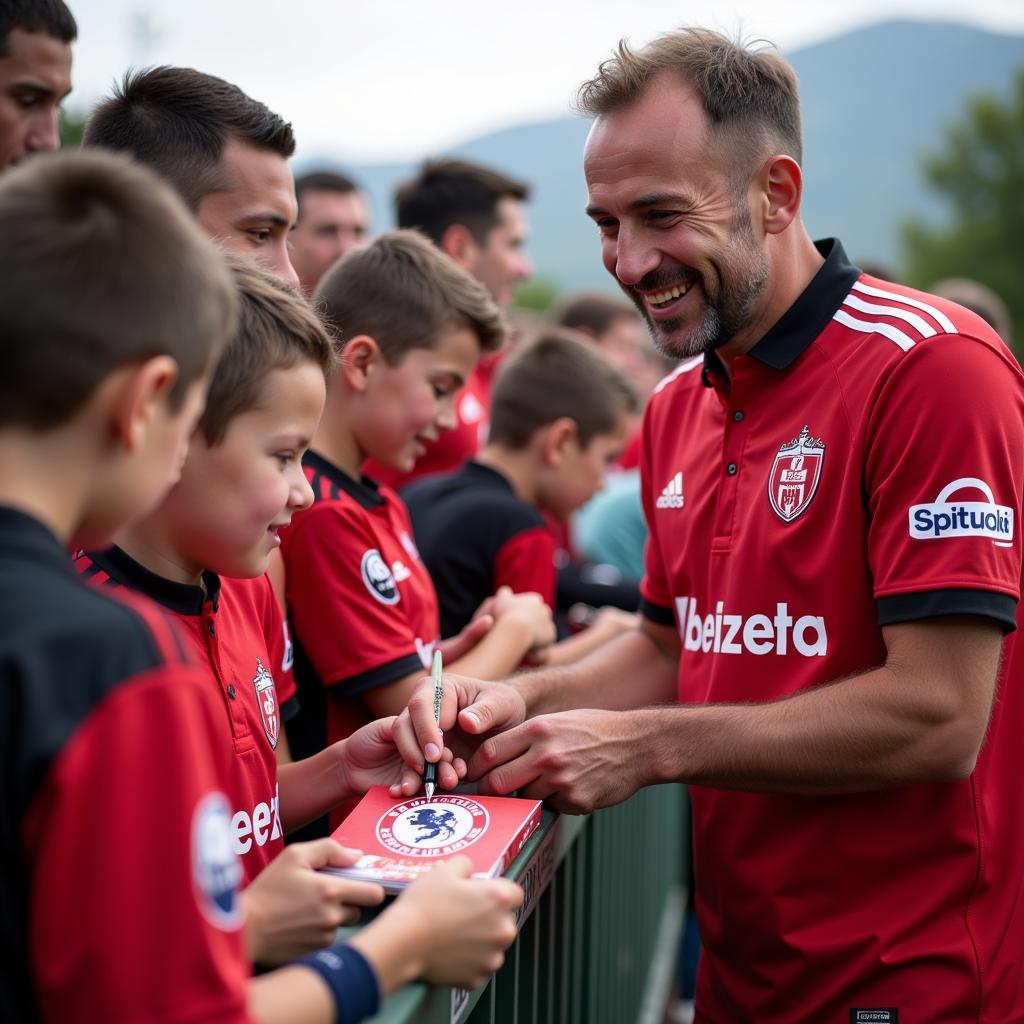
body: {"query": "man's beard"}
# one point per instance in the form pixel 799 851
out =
pixel 743 275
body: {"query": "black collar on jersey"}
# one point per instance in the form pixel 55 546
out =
pixel 363 491
pixel 487 476
pixel 24 536
pixel 806 318
pixel 183 598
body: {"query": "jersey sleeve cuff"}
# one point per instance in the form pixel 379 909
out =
pixel 379 675
pixel 289 709
pixel 657 613
pixel 930 604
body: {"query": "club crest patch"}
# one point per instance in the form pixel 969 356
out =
pixel 216 869
pixel 421 828
pixel 378 578
pixel 266 697
pixel 795 475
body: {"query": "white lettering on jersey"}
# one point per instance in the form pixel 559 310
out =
pixel 425 651
pixel 259 827
pixel 942 518
pixel 722 633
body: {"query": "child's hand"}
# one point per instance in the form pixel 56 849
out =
pixel 292 909
pixel 447 928
pixel 529 608
pixel 370 758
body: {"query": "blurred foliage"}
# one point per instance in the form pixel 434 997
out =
pixel 980 173
pixel 71 125
pixel 539 294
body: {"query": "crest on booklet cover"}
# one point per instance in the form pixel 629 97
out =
pixel 266 697
pixel 795 475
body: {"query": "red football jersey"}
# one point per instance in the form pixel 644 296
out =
pixel 119 882
pixel 235 628
pixel 362 605
pixel 457 446
pixel 862 468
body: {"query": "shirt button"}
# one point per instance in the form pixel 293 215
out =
pixel 210 629
pixel 231 692
pixel 738 415
pixel 731 469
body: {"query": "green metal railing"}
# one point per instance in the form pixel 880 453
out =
pixel 598 931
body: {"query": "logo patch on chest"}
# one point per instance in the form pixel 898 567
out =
pixel 377 576
pixel 266 697
pixel 795 475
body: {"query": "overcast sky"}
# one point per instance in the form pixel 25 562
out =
pixel 400 79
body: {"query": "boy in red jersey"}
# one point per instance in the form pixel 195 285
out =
pixel 363 608
pixel 202 555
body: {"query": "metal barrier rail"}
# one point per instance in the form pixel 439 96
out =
pixel 598 931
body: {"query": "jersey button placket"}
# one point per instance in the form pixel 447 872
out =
pixel 734 435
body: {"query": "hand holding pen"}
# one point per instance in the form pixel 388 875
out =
pixel 430 769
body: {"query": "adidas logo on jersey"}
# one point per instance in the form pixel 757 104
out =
pixel 672 495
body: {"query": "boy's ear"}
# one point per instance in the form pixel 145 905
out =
pixel 556 440
pixel 139 394
pixel 359 359
pixel 458 243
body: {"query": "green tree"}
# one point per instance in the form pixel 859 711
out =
pixel 980 173
pixel 539 295
pixel 71 126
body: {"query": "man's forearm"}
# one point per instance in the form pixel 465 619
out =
pixel 629 671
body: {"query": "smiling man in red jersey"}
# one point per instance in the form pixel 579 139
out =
pixel 832 483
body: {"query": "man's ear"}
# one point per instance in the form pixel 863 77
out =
pixel 458 243
pixel 781 184
pixel 360 358
pixel 138 394
pixel 557 438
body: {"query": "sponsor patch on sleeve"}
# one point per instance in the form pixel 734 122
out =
pixel 948 517
pixel 377 576
pixel 216 870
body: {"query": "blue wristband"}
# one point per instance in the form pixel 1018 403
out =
pixel 351 980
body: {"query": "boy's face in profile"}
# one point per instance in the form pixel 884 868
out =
pixel 410 404
pixel 235 495
pixel 583 469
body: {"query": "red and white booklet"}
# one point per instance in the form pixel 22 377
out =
pixel 403 839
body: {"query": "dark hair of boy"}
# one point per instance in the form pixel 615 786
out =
pixel 178 120
pixel 276 329
pixel 557 375
pixel 447 192
pixel 51 17
pixel 102 266
pixel 592 312
pixel 403 292
pixel 324 181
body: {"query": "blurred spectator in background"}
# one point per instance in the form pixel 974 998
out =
pixel 334 217
pixel 225 153
pixel 35 75
pixel 980 299
pixel 476 216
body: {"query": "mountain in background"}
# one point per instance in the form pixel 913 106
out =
pixel 873 101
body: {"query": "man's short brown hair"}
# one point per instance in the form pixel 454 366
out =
pixel 403 292
pixel 557 375
pixel 178 121
pixel 101 266
pixel 277 329
pixel 448 192
pixel 748 95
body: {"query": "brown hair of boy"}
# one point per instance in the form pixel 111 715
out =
pixel 557 375
pixel 750 96
pixel 102 266
pixel 593 312
pixel 277 328
pixel 403 292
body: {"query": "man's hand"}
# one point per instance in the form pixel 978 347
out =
pixel 370 757
pixel 471 709
pixel 529 608
pixel 576 761
pixel 292 909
